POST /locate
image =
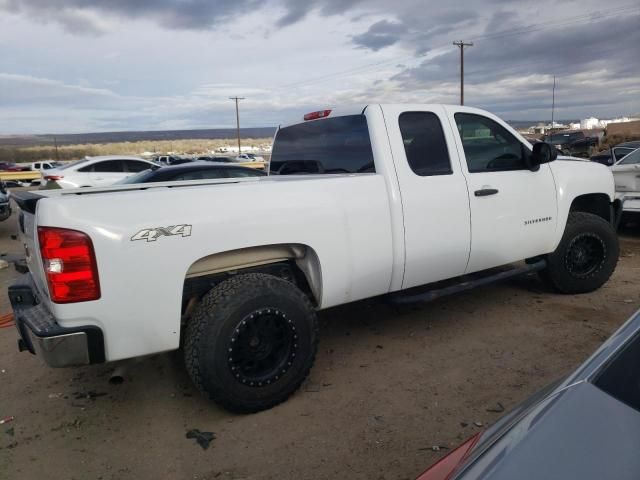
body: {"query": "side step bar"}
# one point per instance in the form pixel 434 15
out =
pixel 465 282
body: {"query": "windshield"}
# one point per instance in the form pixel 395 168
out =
pixel 334 145
pixel 140 177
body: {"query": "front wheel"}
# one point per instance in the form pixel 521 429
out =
pixel 586 256
pixel 251 342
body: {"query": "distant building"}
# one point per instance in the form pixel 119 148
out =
pixel 589 123
pixel 618 120
pixel 592 122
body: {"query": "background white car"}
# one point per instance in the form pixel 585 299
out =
pixel 45 165
pixel 249 157
pixel 94 171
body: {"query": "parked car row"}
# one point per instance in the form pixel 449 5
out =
pixel 109 170
pixel 12 167
pixel 176 159
pixel 47 165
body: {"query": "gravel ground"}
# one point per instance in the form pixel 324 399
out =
pixel 388 385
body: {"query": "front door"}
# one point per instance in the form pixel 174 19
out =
pixel 513 209
pixel 433 192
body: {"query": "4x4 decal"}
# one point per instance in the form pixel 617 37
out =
pixel 152 234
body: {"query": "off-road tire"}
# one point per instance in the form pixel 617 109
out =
pixel 565 272
pixel 216 328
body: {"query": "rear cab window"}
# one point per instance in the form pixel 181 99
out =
pixel 424 143
pixel 327 146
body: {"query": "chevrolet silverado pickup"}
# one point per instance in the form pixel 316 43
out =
pixel 406 201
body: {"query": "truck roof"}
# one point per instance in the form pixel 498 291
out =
pixel 359 109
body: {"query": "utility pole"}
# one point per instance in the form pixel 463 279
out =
pixel 553 102
pixel 55 142
pixel 461 45
pixel 237 99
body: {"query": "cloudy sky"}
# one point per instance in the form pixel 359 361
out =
pixel 105 65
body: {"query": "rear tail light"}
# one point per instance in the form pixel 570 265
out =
pixel 444 468
pixel 316 115
pixel 53 178
pixel 69 264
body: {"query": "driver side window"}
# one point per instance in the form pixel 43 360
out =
pixel 488 146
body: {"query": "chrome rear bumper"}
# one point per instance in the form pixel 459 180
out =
pixel 41 334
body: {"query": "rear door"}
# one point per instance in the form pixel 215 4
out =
pixel 107 172
pixel 513 210
pixel 434 194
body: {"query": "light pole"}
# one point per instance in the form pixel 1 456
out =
pixel 237 99
pixel 461 45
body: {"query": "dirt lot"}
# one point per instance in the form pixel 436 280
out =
pixel 388 384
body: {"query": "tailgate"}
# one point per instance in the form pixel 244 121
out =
pixel 28 235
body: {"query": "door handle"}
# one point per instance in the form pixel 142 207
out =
pixel 485 192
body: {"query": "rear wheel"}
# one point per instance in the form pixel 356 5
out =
pixel 251 342
pixel 586 256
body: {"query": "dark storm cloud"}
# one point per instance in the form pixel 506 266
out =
pixel 381 34
pixel 511 73
pixel 554 51
pixel 297 10
pixel 176 14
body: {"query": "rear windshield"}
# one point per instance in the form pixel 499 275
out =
pixel 620 378
pixel 332 145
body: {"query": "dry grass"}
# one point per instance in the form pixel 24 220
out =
pixel 611 140
pixel 73 152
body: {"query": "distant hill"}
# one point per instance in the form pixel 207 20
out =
pixel 111 137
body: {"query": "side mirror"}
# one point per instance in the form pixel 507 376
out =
pixel 542 153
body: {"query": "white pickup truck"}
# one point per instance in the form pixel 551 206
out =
pixel 380 200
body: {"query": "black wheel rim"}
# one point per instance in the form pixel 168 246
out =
pixel 585 255
pixel 262 347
